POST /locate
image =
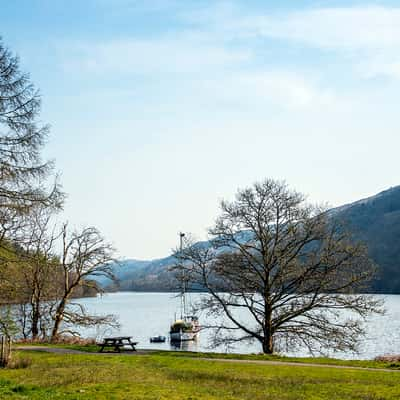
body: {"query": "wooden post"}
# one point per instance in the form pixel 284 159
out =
pixel 2 352
pixel 9 350
pixel 5 351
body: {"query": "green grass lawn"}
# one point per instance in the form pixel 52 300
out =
pixel 259 357
pixel 166 376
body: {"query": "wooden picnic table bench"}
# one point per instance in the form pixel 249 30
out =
pixel 117 343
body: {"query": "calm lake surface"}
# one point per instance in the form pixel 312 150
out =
pixel 143 315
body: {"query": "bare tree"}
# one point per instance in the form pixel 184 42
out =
pixel 31 275
pixel 27 247
pixel 281 272
pixel 39 267
pixel 85 255
pixel 48 270
pixel 23 174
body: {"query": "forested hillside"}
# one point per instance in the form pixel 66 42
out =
pixel 375 221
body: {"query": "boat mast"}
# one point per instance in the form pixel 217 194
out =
pixel 183 299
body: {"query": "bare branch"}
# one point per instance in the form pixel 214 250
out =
pixel 288 266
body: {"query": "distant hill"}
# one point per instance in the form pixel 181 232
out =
pixel 154 275
pixel 147 276
pixel 123 270
pixel 374 220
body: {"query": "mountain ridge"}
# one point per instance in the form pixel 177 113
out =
pixel 375 220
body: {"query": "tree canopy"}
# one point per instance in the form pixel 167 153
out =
pixel 287 266
pixel 23 173
pixel 42 266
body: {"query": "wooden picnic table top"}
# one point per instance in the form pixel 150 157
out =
pixel 117 338
pixel 117 342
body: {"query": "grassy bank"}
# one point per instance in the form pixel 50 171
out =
pixel 166 376
pixel 91 348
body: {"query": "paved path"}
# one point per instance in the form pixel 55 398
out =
pixel 296 364
pixel 59 350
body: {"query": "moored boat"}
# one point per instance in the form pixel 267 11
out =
pixel 184 329
pixel 158 339
pixel 187 327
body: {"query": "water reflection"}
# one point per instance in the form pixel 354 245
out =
pixel 143 315
pixel 188 345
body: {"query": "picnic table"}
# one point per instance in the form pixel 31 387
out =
pixel 117 343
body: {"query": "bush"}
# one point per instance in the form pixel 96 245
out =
pixel 19 363
pixel 394 358
pixel 62 339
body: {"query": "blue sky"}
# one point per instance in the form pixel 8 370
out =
pixel 159 109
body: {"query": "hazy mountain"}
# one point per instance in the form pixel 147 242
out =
pixel 123 270
pixel 139 275
pixel 374 220
pixel 154 275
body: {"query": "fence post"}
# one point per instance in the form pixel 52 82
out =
pixel 5 350
pixel 2 352
pixel 8 349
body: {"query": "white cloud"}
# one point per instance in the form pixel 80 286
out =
pixel 278 88
pixel 382 65
pixel 359 28
pixel 208 73
pixel 181 54
pixel 367 36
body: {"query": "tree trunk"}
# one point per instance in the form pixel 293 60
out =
pixel 68 289
pixel 35 318
pixel 35 324
pixel 267 345
pixel 58 318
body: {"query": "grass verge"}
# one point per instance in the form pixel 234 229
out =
pixel 381 364
pixel 170 376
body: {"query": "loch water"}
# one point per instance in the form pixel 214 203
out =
pixel 142 315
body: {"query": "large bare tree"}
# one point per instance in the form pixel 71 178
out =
pixel 85 255
pixel 23 174
pixel 29 274
pixel 45 275
pixel 32 273
pixel 38 266
pixel 282 272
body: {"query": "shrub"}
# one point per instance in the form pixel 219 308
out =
pixel 19 363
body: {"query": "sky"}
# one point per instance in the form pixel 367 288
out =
pixel 160 109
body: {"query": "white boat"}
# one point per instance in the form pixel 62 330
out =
pixel 184 329
pixel 187 327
